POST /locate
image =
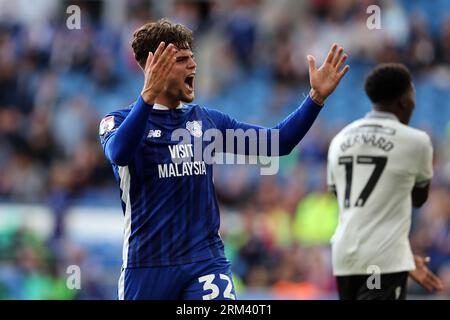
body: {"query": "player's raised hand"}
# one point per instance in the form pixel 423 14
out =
pixel 325 79
pixel 157 68
pixel 423 276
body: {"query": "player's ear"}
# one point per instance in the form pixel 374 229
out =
pixel 403 103
pixel 404 109
pixel 406 101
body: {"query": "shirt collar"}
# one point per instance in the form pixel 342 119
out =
pixel 158 106
pixel 381 115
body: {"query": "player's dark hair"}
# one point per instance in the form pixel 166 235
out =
pixel 387 82
pixel 150 35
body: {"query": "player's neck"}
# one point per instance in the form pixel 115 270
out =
pixel 171 104
pixel 387 109
pixel 392 110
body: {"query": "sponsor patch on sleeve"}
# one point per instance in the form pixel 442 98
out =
pixel 106 125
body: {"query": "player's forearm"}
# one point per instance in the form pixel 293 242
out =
pixel 121 147
pixel 296 125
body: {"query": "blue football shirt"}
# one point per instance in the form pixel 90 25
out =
pixel 170 207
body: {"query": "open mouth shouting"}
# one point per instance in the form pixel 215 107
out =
pixel 189 82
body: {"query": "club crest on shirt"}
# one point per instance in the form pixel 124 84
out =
pixel 195 128
pixel 106 125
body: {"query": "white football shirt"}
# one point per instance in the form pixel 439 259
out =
pixel 373 165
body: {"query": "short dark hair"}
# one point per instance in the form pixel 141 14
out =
pixel 387 82
pixel 150 35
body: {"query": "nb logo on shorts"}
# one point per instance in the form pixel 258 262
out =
pixel 154 134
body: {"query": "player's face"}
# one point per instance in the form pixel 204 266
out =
pixel 181 80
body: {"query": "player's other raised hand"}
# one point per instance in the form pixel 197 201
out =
pixel 325 79
pixel 157 69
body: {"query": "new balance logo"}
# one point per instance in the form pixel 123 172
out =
pixel 154 134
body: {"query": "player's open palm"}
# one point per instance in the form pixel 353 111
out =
pixel 326 78
pixel 157 69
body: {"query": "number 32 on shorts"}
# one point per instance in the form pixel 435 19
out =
pixel 209 285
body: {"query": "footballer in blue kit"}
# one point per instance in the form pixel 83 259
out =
pixel 172 247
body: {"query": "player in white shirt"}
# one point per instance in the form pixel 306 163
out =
pixel 379 168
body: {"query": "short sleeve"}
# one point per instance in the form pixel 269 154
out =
pixel 425 165
pixel 330 178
